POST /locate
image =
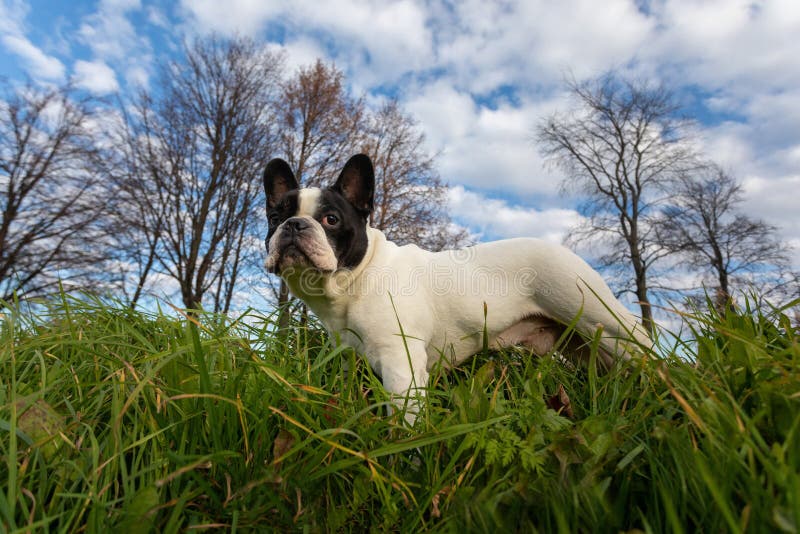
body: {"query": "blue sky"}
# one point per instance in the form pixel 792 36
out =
pixel 477 76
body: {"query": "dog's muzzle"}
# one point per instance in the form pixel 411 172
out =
pixel 299 242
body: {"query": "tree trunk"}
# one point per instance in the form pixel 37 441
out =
pixel 644 303
pixel 191 301
pixel 143 277
pixel 640 274
pixel 723 297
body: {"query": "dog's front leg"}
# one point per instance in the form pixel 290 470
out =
pixel 405 377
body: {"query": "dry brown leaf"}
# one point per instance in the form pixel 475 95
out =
pixel 282 444
pixel 560 403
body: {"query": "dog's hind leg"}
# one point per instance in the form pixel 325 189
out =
pixel 540 334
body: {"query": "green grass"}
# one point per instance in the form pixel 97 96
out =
pixel 112 419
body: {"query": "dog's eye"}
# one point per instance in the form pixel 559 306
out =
pixel 330 219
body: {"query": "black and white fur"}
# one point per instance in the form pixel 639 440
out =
pixel 365 288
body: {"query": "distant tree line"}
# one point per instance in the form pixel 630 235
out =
pixel 653 205
pixel 164 187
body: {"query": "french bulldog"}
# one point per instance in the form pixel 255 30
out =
pixel 407 309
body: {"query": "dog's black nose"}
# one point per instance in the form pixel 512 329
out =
pixel 297 224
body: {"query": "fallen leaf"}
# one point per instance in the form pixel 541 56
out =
pixel 282 444
pixel 435 512
pixel 560 403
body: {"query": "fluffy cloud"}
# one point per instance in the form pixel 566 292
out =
pixel 736 45
pixel 109 33
pixel 484 147
pixel 243 17
pixel 37 63
pixel 745 56
pixel 95 76
pixel 493 218
pixel 533 43
pixel 393 37
pixel 299 52
pixel 775 200
pixel 377 41
pixel 768 171
pixel 111 36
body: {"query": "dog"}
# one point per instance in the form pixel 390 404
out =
pixel 407 309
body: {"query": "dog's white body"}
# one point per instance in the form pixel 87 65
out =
pixel 407 309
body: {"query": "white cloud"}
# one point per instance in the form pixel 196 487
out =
pixel 378 41
pixel 95 76
pixel 444 112
pixel 242 17
pixel 774 199
pixel 794 250
pixel 298 53
pixel 120 5
pixel 109 33
pixel 156 17
pixel 499 219
pixel 533 43
pixel 769 177
pixel 111 36
pixel 727 144
pixel 14 13
pixel 37 63
pixel 389 39
pixel 137 76
pixel 738 45
pixel 492 149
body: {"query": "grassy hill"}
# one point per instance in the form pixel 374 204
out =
pixel 113 419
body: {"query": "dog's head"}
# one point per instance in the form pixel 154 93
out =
pixel 319 229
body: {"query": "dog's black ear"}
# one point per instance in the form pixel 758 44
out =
pixel 278 180
pixel 357 183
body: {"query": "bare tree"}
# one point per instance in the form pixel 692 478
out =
pixel 319 123
pixel 49 192
pixel 199 143
pixel 410 197
pixel 135 224
pixel 620 148
pixel 704 226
